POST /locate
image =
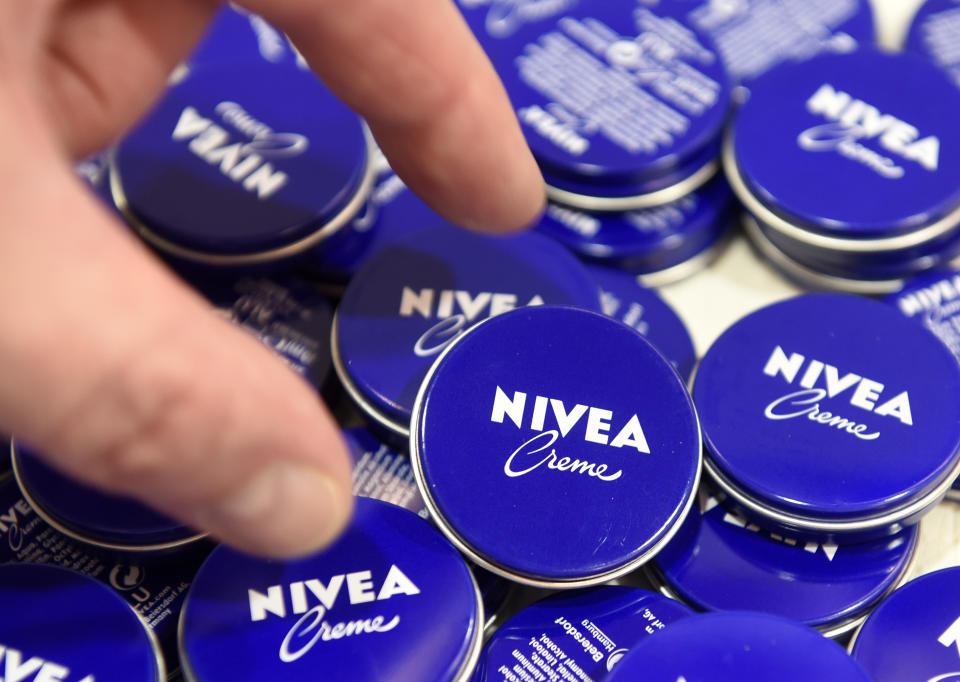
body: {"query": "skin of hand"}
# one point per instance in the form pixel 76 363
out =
pixel 123 377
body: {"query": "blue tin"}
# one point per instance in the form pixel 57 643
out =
pixel 389 601
pixel 59 625
pixel 415 295
pixel 555 446
pixel 636 306
pixel 238 36
pixel 622 107
pixel 754 36
pixel 662 244
pixel 720 561
pixel 915 633
pixel 102 520
pixel 155 586
pixel 800 399
pixel 245 165
pixel 381 472
pixel 934 33
pixel 738 647
pixel 819 143
pixel 570 635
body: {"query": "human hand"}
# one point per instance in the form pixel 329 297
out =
pixel 123 377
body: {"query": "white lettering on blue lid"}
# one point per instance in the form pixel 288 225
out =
pixel 33 669
pixel 951 636
pixel 506 16
pixel 930 297
pixel 853 119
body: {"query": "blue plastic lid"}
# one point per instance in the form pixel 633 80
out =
pixel 753 36
pixel 59 625
pixel 738 647
pixel 236 35
pixel 718 561
pixel 241 160
pixel 612 98
pixel 389 601
pixel 417 294
pixel 570 635
pixel 821 409
pixel 636 306
pixel 934 33
pixel 381 472
pixel 93 516
pixel 555 446
pixel 648 240
pixel 854 145
pixel 915 633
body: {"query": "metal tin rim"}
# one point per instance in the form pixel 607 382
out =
pixel 810 277
pixel 330 227
pixel 768 217
pixel 463 673
pixel 356 395
pixel 483 562
pixel 826 526
pixel 649 200
pixel 60 528
pixel 684 269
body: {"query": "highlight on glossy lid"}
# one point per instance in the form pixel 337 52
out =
pixel 90 515
pixel 818 414
pixel 720 561
pixel 737 647
pixel 616 101
pixel 389 601
pixel 418 293
pixel 915 633
pixel 243 164
pixel 575 634
pixel 934 33
pixel 59 625
pixel 555 446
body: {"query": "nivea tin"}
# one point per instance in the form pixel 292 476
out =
pixel 237 36
pixel 915 633
pixel 720 561
pixel 820 418
pixel 934 33
pixel 579 635
pixel 656 242
pixel 621 107
pixel 245 164
pixel 636 306
pixel 753 36
pixel 933 300
pixel 381 472
pixel 390 600
pixel 98 519
pixel 555 446
pixel 59 625
pixel 839 160
pixel 416 294
pixel 738 647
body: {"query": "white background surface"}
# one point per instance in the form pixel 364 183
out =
pixel 739 283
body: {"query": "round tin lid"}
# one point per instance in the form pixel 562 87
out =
pixel 288 315
pixel 90 515
pixel 382 473
pixel 934 33
pixel 636 306
pixel 849 145
pixel 720 562
pixel 569 636
pixel 915 633
pixel 738 647
pixel 418 293
pixel 59 625
pixel 390 600
pixel 755 35
pixel 933 300
pixel 611 97
pixel 237 35
pixel 555 446
pixel 801 400
pixel 250 160
pixel 643 241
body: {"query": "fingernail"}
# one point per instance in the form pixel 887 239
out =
pixel 284 510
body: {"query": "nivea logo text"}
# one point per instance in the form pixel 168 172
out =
pixel 33 669
pixel 930 297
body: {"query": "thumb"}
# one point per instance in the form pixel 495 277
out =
pixel 126 380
